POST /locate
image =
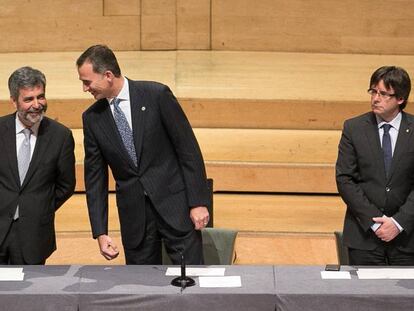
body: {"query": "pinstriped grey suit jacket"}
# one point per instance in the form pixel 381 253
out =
pixel 170 165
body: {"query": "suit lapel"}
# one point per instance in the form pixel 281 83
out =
pixel 42 144
pixel 138 111
pixel 404 135
pixel 9 141
pixel 372 135
pixel 107 124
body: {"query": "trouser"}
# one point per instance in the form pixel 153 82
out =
pixel 158 232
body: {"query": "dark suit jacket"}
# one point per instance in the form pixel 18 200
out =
pixel 49 182
pixel 170 165
pixel 362 183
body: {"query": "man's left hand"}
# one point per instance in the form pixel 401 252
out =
pixel 388 230
pixel 199 216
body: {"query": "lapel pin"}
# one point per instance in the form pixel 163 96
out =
pixel 143 108
pixel 407 130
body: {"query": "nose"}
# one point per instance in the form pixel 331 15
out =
pixel 36 104
pixel 85 87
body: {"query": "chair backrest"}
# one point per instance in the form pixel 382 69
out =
pixel 210 203
pixel 218 247
pixel 341 249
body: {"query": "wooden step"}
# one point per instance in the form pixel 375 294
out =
pixel 259 160
pixel 225 89
pixel 272 248
pixel 258 145
pixel 258 177
pixel 255 248
pixel 243 212
pixel 232 113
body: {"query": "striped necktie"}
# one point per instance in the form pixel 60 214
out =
pixel 124 130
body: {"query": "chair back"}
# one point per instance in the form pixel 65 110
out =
pixel 341 249
pixel 218 246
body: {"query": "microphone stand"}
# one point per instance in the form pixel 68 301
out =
pixel 183 281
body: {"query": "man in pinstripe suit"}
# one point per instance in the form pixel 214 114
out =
pixel 161 186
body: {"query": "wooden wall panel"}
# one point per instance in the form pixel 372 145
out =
pixel 321 26
pixel 69 33
pixel 346 26
pixel 193 24
pixel 122 7
pixel 23 9
pixel 158 25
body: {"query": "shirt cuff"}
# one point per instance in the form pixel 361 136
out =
pixel 397 224
pixel 375 226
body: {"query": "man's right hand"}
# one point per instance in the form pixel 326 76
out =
pixel 108 248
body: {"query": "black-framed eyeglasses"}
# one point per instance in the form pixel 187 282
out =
pixel 381 94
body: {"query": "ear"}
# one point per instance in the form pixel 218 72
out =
pixel 400 101
pixel 13 102
pixel 109 75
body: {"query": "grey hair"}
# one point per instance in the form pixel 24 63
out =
pixel 25 77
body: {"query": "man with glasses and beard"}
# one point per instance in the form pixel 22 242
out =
pixel 375 175
pixel 37 172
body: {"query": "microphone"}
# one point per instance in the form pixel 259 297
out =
pixel 182 281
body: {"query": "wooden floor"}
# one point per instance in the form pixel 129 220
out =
pixel 268 125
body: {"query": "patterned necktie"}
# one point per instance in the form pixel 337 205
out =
pixel 23 157
pixel 124 130
pixel 387 148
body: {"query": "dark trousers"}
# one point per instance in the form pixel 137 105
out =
pixel 10 250
pixel 158 232
pixel 386 254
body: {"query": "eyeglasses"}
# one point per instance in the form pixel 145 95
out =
pixel 381 94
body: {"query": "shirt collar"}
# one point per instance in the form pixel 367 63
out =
pixel 20 126
pixel 123 94
pixel 395 123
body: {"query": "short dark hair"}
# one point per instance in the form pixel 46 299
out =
pixel 25 77
pixel 396 78
pixel 102 59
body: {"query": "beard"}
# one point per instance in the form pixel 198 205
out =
pixel 32 116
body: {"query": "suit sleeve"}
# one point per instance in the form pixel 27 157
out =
pixel 348 181
pixel 96 181
pixel 186 147
pixel 405 214
pixel 65 179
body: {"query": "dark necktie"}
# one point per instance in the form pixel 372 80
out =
pixel 124 130
pixel 387 148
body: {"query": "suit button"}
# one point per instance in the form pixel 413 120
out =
pixel 388 189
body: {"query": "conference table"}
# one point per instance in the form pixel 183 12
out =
pixel 67 288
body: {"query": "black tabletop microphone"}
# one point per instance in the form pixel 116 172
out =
pixel 183 281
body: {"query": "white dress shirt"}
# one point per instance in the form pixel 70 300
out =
pixel 125 103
